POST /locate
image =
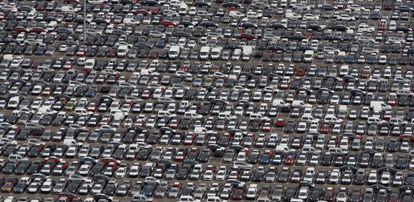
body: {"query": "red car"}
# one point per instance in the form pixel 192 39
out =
pixel 52 159
pixel 289 159
pixel 280 123
pixel 184 68
pixel 325 128
pixel 155 10
pixel 406 137
pixel 300 72
pixel 110 162
pixel 167 23
pixel 267 126
pixel 181 155
pixel 174 123
pixel 189 139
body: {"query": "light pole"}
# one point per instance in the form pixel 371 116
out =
pixel 84 22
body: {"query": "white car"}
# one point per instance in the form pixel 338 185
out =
pixel 221 173
pixel 47 186
pixel 346 17
pixel 208 175
pixel 120 173
pixel 334 176
pixel 134 170
pixel 332 119
pixel 251 193
pixel 302 127
pixel 309 16
pixel 84 169
pixel 382 59
pixel 372 177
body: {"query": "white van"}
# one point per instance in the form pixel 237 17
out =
pixel 308 56
pixel 247 52
pixel 13 103
pixel 344 70
pixel 205 52
pixel 183 9
pixel 216 53
pixel 174 52
pixel 236 54
pixel 122 50
pixel 90 63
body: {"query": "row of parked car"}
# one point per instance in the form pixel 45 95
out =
pixel 16 67
pixel 116 30
pixel 266 137
pixel 19 164
pixel 232 189
pixel 254 127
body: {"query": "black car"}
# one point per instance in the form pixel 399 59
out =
pixel 22 167
pixel 283 176
pixel 8 169
pixel 289 127
pixel 315 194
pixel 110 188
pixel 20 187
